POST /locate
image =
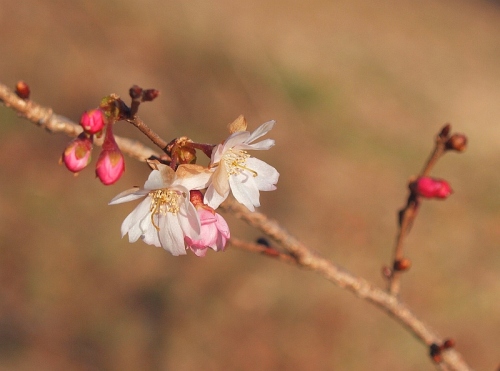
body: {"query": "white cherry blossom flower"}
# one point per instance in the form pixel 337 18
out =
pixel 166 215
pixel 237 171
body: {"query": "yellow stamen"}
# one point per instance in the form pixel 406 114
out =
pixel 236 160
pixel 163 201
pixel 250 170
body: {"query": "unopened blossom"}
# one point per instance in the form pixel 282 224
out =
pixel 236 171
pixel 431 188
pixel 165 216
pixel 110 165
pixel 214 231
pixel 77 154
pixel 92 121
pixel 23 90
pixel 457 142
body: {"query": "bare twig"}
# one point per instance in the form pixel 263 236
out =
pixel 408 214
pixel 439 150
pixel 296 252
pixel 155 138
pixel 264 250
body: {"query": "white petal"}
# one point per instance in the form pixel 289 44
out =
pixel 155 181
pixel 167 174
pixel 171 235
pixel 192 177
pixel 187 215
pixel 189 220
pixel 220 180
pixel 267 175
pixel 149 232
pixel 131 223
pixel 260 131
pixel 245 190
pixel 235 139
pixel 128 195
pixel 213 198
pixel 262 145
pixel 217 153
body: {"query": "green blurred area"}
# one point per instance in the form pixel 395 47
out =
pixel 359 89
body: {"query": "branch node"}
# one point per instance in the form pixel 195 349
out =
pixel 435 353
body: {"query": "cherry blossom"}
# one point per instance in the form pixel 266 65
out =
pixel 166 216
pixel 237 171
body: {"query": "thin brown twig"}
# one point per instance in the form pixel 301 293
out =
pixel 439 150
pixel 264 250
pixel 299 253
pixel 408 214
pixel 155 138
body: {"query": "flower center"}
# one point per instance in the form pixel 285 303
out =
pixel 236 160
pixel 163 201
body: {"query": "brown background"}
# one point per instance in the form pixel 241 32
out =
pixel 358 88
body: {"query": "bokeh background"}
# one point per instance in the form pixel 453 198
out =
pixel 359 89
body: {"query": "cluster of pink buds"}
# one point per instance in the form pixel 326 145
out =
pixel 77 155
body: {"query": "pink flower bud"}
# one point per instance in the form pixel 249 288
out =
pixel 92 121
pixel 110 165
pixel 76 156
pixel 431 188
pixel 214 233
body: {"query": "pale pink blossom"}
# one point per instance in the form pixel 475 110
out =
pixel 214 233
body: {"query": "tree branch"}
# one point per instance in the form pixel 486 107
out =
pixel 307 258
pixel 45 118
pixel 296 252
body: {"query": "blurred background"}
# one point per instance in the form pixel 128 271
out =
pixel 359 90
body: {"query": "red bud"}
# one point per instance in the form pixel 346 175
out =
pixel 448 343
pixel 431 188
pixel 149 95
pixel 92 121
pixel 402 264
pixel 135 92
pixel 22 90
pixel 457 142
